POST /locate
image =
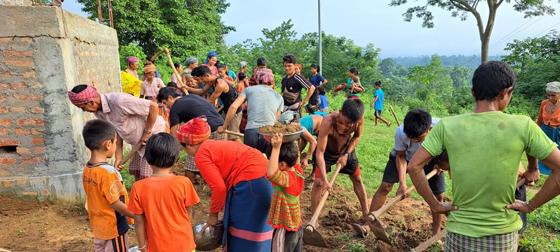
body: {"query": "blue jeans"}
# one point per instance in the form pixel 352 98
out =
pixel 253 139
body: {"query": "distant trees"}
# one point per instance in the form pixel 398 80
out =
pixel 461 9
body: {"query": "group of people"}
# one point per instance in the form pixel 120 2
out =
pixel 482 150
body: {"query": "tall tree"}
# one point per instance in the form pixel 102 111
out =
pixel 461 9
pixel 186 27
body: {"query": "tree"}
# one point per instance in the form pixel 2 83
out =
pixel 460 76
pixel 461 9
pixel 186 27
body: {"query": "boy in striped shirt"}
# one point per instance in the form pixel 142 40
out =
pixel 286 177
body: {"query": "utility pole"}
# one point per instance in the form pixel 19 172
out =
pixel 320 39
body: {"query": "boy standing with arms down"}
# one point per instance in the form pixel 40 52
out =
pixel 339 134
pixel 105 190
pixel 378 101
pixel 408 138
pixel 484 149
pixel 287 179
pixel 162 204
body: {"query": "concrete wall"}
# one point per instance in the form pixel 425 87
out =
pixel 46 51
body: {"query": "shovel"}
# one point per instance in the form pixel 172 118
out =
pixel 443 232
pixel 311 235
pixel 130 154
pixel 235 133
pixel 375 224
pixel 179 78
pixel 395 115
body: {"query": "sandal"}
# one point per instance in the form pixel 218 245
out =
pixel 389 125
pixel 362 232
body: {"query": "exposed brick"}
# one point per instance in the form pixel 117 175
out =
pixel 29 74
pixel 21 85
pixel 27 39
pixel 5 122
pixel 19 63
pixel 22 132
pixel 33 160
pixel 46 192
pixel 22 97
pixel 22 181
pixel 8 142
pixel 2 98
pixel 5 74
pixel 39 140
pixel 7 160
pixel 4 132
pixel 30 194
pixel 4 86
pixel 5 40
pixel 13 53
pixel 3 110
pixel 38 150
pixel 23 150
pixel 4 173
pixel 36 132
pixel 30 122
pixel 37 110
pixel 18 109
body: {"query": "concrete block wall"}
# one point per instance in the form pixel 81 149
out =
pixel 46 51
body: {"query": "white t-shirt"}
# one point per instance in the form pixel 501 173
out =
pixel 403 143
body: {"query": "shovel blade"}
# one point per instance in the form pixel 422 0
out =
pixel 311 236
pixel 379 231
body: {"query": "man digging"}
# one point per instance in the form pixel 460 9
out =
pixel 135 120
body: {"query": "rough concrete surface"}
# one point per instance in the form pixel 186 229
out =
pixel 46 51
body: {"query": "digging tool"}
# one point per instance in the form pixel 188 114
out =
pixel 220 109
pixel 235 133
pixel 179 78
pixel 130 154
pixel 423 246
pixel 376 225
pixel 395 115
pixel 312 236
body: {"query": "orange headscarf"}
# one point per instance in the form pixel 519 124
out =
pixel 194 131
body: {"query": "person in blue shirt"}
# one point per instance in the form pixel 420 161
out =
pixel 378 102
pixel 324 103
pixel 318 81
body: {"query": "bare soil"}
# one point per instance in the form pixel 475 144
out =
pixel 29 225
pixel 280 128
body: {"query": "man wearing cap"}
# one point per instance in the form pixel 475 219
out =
pixel 132 66
pixel 135 120
pixel 185 109
pixel 237 175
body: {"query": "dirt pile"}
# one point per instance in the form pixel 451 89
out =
pixel 280 128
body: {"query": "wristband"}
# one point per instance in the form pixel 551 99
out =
pixel 147 131
pixel 348 153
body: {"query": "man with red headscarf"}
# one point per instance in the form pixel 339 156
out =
pixel 264 106
pixel 237 175
pixel 135 119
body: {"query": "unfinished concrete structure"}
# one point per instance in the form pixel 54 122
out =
pixel 46 51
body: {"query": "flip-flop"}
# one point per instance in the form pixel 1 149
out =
pixel 360 230
pixel 389 125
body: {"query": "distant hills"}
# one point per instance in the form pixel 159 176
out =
pixel 471 62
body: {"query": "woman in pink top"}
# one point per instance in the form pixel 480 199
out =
pixel 150 87
pixel 211 61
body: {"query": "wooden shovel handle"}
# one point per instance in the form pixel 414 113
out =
pixel 130 154
pixel 179 78
pixel 398 198
pixel 395 115
pixel 423 246
pixel 324 197
pixel 235 133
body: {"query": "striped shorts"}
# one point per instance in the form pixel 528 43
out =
pixel 139 167
pixel 189 161
pixel 119 244
pixel 459 243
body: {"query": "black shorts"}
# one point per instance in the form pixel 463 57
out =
pixel 352 165
pixel 391 175
pixel 377 113
pixel 521 194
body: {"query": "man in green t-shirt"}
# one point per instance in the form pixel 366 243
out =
pixel 485 148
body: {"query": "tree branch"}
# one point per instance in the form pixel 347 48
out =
pixel 475 13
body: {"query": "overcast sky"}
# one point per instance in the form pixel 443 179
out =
pixel 367 21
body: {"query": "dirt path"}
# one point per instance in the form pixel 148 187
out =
pixel 42 226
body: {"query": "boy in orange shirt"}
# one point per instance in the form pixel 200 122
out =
pixel 162 204
pixel 286 177
pixel 105 190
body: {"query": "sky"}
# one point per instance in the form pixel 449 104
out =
pixel 367 21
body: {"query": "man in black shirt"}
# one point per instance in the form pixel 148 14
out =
pixel 292 84
pixel 183 110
